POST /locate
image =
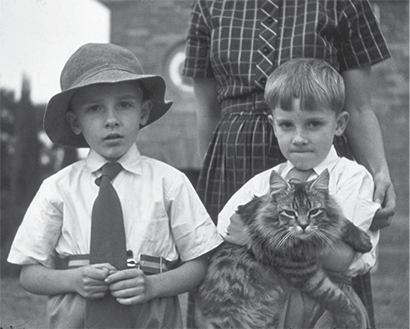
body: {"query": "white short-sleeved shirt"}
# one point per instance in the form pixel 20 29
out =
pixel 351 185
pixel 163 216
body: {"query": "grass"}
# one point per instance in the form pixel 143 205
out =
pixel 391 279
pixel 22 310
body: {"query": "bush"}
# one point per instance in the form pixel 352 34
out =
pixel 11 217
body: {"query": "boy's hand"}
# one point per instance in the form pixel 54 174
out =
pixel 237 233
pixel 90 280
pixel 130 286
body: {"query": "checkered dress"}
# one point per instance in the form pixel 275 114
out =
pixel 239 43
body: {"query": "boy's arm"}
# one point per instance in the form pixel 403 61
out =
pixel 339 258
pixel 133 286
pixel 88 281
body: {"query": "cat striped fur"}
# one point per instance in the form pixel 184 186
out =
pixel 247 286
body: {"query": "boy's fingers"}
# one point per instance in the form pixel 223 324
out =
pixel 107 266
pixel 99 271
pixel 236 230
pixel 115 276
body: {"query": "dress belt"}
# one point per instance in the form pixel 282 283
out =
pixel 148 264
pixel 252 104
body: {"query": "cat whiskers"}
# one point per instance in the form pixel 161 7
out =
pixel 283 240
pixel 324 238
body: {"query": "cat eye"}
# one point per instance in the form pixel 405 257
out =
pixel 290 213
pixel 315 212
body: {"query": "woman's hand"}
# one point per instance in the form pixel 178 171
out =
pixel 384 195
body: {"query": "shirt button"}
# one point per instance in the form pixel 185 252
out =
pixel 265 50
pixel 269 20
pixel 263 81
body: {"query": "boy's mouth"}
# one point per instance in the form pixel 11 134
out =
pixel 113 136
pixel 301 151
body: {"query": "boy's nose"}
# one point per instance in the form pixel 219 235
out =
pixel 299 138
pixel 111 119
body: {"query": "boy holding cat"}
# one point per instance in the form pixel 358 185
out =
pixel 62 244
pixel 306 98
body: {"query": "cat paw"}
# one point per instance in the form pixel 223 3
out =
pixel 345 325
pixel 352 321
pixel 363 244
pixel 358 239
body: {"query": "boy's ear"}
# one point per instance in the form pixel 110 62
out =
pixel 272 122
pixel 145 111
pixel 72 120
pixel 341 123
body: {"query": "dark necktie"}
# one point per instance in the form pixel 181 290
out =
pixel 107 245
pixel 267 42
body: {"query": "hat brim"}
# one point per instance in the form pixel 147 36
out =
pixel 57 126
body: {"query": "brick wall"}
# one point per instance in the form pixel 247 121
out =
pixel 390 94
pixel 155 29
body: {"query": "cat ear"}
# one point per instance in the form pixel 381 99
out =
pixel 322 182
pixel 277 183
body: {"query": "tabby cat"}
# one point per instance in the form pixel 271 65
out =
pixel 288 228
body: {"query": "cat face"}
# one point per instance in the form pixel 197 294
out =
pixel 296 217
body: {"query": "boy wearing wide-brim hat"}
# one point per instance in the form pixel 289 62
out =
pixel 106 98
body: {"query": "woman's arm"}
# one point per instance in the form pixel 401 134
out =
pixel 365 140
pixel 207 111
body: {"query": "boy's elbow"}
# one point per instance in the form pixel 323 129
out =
pixel 26 278
pixel 201 265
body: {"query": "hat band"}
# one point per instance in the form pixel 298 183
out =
pixel 102 68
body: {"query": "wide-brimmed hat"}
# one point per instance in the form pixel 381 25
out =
pixel 96 63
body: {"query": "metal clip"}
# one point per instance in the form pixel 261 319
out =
pixel 131 262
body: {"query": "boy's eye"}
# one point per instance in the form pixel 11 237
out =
pixel 93 108
pixel 125 104
pixel 314 124
pixel 285 125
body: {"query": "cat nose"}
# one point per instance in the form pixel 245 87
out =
pixel 303 226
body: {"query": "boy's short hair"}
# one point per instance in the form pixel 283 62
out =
pixel 313 81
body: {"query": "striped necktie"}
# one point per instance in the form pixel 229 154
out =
pixel 107 245
pixel 267 40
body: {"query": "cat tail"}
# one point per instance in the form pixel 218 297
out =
pixel 332 298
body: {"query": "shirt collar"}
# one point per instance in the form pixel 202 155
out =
pixel 328 163
pixel 129 161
